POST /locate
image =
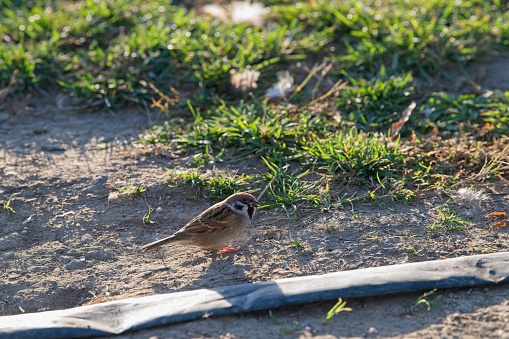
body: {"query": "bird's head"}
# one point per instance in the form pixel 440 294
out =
pixel 242 203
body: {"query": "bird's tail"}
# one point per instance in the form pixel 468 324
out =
pixel 159 243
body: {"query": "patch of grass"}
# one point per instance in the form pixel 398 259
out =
pixel 357 153
pixel 215 185
pixel 376 103
pixel 400 193
pixel 422 36
pixel 412 249
pixel 339 307
pixel 388 188
pixel 449 221
pixel 296 243
pixel 130 51
pixel 290 188
pixel 487 249
pixel 119 53
pixel 7 204
pixel 203 159
pixel 243 129
pixel 132 189
pixel 428 299
pixel 487 115
pixel 147 217
pixel 281 135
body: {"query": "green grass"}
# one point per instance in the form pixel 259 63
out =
pixel 339 307
pixel 375 103
pixel 412 249
pixel 132 189
pixel 296 243
pixel 428 300
pixel 116 50
pixel 147 217
pixel 448 220
pixel 356 153
pixel 6 205
pixel 484 114
pixel 290 188
pixel 216 186
pixel 357 66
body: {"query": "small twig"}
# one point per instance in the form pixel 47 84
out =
pixel 338 86
pixel 266 187
pixel 320 78
pixel 64 214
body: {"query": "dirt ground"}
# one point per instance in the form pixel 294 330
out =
pixel 74 239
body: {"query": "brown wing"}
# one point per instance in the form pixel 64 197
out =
pixel 212 220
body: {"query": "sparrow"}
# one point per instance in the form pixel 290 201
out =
pixel 215 226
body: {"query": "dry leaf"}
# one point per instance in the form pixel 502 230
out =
pixel 397 126
pixel 500 224
pixel 496 214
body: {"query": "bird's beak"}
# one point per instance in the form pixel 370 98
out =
pixel 255 203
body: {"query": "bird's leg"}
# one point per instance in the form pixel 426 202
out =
pixel 228 250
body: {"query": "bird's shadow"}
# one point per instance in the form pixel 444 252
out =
pixel 223 270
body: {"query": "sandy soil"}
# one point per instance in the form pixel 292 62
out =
pixel 74 239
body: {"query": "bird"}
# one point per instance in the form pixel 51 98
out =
pixel 215 226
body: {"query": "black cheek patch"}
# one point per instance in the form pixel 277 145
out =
pixel 239 206
pixel 250 211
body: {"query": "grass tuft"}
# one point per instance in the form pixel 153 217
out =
pixel 339 307
pixel 428 299
pixel 448 220
pixel 216 186
pixel 356 154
